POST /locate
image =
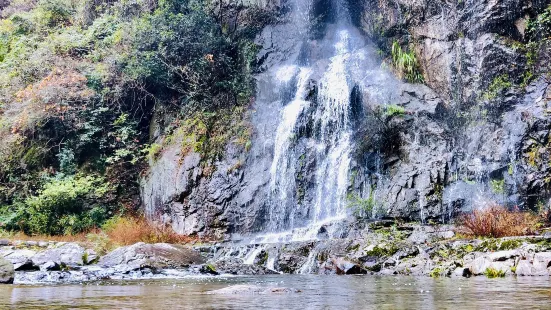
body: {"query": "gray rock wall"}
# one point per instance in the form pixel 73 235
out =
pixel 454 148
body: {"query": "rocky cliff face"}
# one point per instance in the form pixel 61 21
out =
pixel 476 56
pixel 476 133
pixel 462 46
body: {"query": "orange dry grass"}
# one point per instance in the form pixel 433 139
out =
pixel 127 231
pixel 119 232
pixel 497 222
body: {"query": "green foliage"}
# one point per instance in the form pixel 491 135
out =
pixel 62 206
pixel 362 207
pixel 79 82
pixel 382 251
pixel 166 54
pixel 125 145
pixel 394 110
pixel 153 151
pixel 498 245
pixel 494 273
pixel 52 13
pixel 67 164
pixel 500 84
pixel 540 27
pixel 208 133
pixel 101 242
pixel 498 186
pixel 405 62
pixel 531 53
pixel 436 272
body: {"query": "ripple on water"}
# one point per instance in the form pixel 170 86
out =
pixel 269 292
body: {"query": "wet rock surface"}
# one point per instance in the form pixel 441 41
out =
pixel 452 139
pixel 408 250
pixel 371 250
pixel 236 266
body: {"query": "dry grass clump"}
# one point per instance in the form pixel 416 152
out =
pixel 130 230
pixel 496 222
pixel 118 231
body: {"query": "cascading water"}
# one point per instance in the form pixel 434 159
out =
pixel 319 85
pixel 282 169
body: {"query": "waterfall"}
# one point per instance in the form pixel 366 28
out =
pixel 282 169
pixel 251 256
pixel 319 87
pixel 332 147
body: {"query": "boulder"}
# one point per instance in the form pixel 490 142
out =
pixel 461 272
pixel 50 266
pixel 533 265
pixel 479 265
pixel 341 266
pixel 20 258
pixel 503 255
pixel 525 268
pixel 156 256
pixel 237 267
pixel 66 254
pixel 7 272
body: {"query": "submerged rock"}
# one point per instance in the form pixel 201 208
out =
pixel 253 289
pixel 7 272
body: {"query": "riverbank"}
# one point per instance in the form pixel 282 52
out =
pixel 380 249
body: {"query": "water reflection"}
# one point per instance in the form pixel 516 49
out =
pixel 318 292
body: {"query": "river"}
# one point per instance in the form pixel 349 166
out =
pixel 316 292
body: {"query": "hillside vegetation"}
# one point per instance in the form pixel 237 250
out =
pixel 81 81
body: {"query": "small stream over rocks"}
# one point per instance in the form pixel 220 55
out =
pixel 376 249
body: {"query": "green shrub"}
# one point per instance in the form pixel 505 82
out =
pixel 436 272
pixel 394 110
pixel 405 62
pixel 153 151
pixel 540 27
pixel 498 186
pixel 494 273
pixel 382 251
pixel 500 84
pixel 63 206
pixel 362 207
pixel 101 242
pixel 166 54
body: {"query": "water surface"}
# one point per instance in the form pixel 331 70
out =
pixel 317 292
